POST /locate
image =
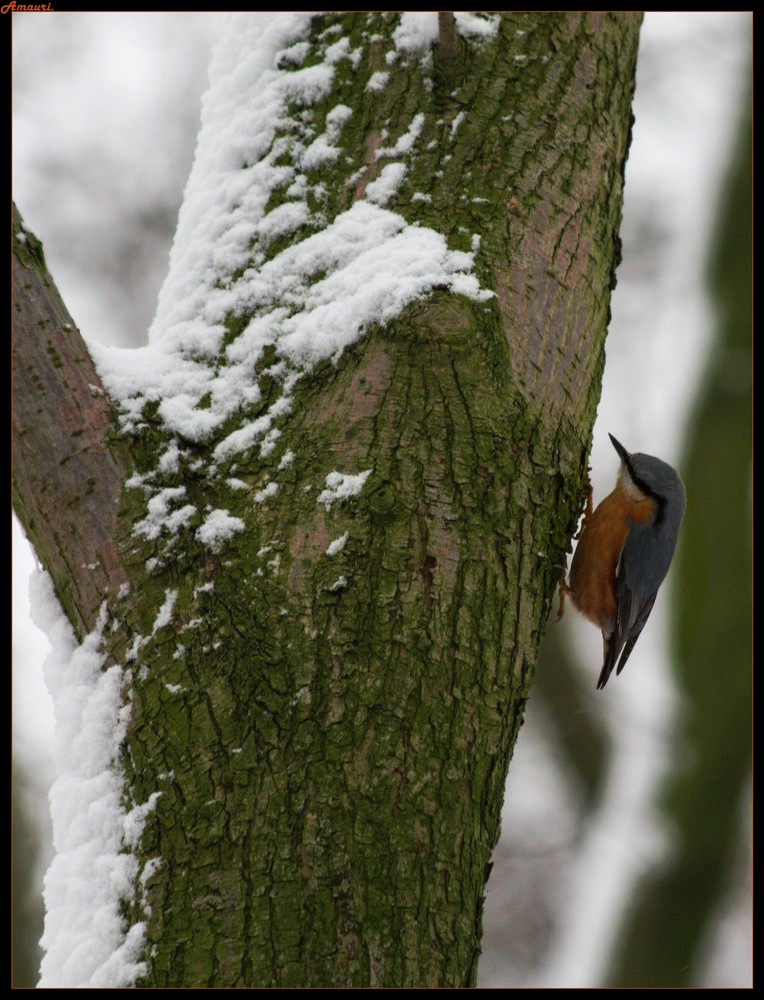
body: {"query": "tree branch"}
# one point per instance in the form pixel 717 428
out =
pixel 67 475
pixel 450 47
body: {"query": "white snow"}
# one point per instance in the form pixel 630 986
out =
pixel 217 528
pixel 405 143
pixel 341 487
pixel 457 122
pixel 416 33
pixel 261 142
pixel 266 492
pixel 296 54
pixel 310 301
pixel 269 442
pixel 322 150
pixel 477 27
pixel 317 155
pixel 337 545
pixel 135 647
pixel 160 518
pixel 134 822
pixel 377 82
pixel 86 939
pixel 165 612
pixel 386 185
pixel 337 118
pixel 169 463
pixel 290 216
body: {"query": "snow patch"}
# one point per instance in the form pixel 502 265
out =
pixel 416 33
pixel 217 528
pixel 308 302
pixel 169 463
pixel 237 321
pixel 341 487
pixel 405 143
pixel 87 941
pixel 478 27
pixel 337 545
pixel 160 518
pixel 268 491
pixel 377 82
pixel 165 612
pixel 457 122
pixel 386 185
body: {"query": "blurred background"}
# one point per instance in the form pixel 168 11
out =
pixel 625 856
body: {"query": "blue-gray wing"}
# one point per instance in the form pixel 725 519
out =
pixel 642 568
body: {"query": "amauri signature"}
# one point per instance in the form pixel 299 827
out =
pixel 8 7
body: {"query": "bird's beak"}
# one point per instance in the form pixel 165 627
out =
pixel 620 449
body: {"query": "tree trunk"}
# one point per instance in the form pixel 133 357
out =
pixel 330 705
pixel 665 944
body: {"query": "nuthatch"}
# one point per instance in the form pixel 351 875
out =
pixel 624 553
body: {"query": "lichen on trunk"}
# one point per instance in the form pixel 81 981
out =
pixel 354 529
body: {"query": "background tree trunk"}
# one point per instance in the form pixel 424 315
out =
pixel 330 733
pixel 707 798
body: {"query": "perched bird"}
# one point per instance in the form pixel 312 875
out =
pixel 624 553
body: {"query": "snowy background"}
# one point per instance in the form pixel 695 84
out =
pixel 106 110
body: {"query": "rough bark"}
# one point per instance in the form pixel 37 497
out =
pixel 331 734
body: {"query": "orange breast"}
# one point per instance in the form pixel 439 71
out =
pixel 592 572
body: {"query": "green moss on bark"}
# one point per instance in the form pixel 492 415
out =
pixel 330 734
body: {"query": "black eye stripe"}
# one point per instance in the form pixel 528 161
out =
pixel 642 485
